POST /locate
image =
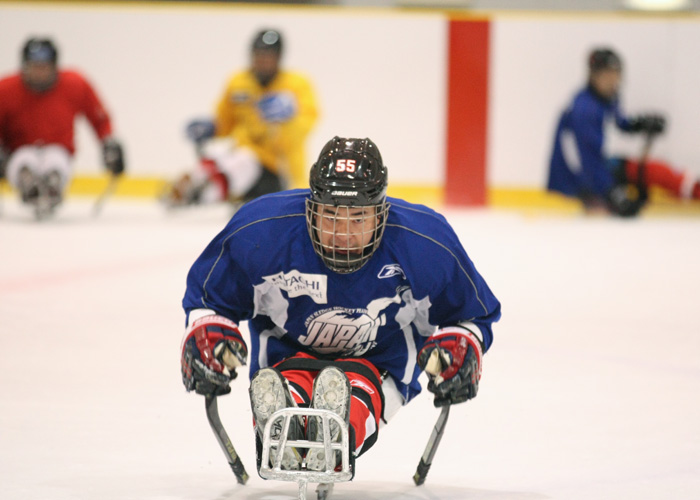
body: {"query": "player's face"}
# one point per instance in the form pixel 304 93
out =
pixel 346 230
pixel 265 65
pixel 607 82
pixel 39 75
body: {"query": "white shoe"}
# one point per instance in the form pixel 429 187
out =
pixel 268 394
pixel 28 186
pixel 49 195
pixel 331 392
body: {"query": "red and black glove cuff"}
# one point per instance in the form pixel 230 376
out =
pixel 455 340
pixel 452 360
pixel 205 348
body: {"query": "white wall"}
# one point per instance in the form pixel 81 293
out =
pixel 539 62
pixel 376 74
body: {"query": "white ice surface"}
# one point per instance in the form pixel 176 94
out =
pixel 591 389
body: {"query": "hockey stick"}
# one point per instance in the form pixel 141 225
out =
pixel 111 187
pixel 215 422
pixel 2 194
pixel 427 459
pixel 641 168
pixel 4 183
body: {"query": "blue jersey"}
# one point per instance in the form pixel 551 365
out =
pixel 262 268
pixel 578 166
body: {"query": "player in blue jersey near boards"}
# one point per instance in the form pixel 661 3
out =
pixel 349 295
pixel 579 165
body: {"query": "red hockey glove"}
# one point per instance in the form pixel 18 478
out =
pixel 452 360
pixel 212 350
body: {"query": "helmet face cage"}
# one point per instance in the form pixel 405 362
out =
pixel 345 236
pixel 347 210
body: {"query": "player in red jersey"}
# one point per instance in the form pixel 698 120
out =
pixel 38 106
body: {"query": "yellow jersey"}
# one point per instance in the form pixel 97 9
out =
pixel 279 144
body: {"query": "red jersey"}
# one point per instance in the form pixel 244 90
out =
pixel 39 118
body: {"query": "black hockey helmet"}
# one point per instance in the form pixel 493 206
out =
pixel 268 39
pixel 349 172
pixel 40 50
pixel 604 58
pixel 347 210
pixel 37 53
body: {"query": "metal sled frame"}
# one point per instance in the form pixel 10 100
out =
pixel 326 478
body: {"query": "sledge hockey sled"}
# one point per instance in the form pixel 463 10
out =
pixel 325 479
pixel 48 197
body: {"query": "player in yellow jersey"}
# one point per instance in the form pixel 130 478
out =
pixel 265 115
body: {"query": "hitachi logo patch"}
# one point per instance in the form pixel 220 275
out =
pixel 297 284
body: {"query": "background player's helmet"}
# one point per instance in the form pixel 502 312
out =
pixel 604 58
pixel 39 49
pixel 348 186
pixel 39 59
pixel 266 53
pixel 268 40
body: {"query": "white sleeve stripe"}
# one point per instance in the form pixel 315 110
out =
pixel 196 314
pixel 450 330
pixel 411 353
pixel 460 330
pixel 569 149
pixel 465 332
pixel 474 329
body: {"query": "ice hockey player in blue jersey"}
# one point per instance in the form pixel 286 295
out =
pixel 349 296
pixel 579 166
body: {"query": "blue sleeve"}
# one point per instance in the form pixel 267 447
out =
pixel 216 276
pixel 560 177
pixel 457 291
pixel 466 297
pixel 621 119
pixel 587 119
